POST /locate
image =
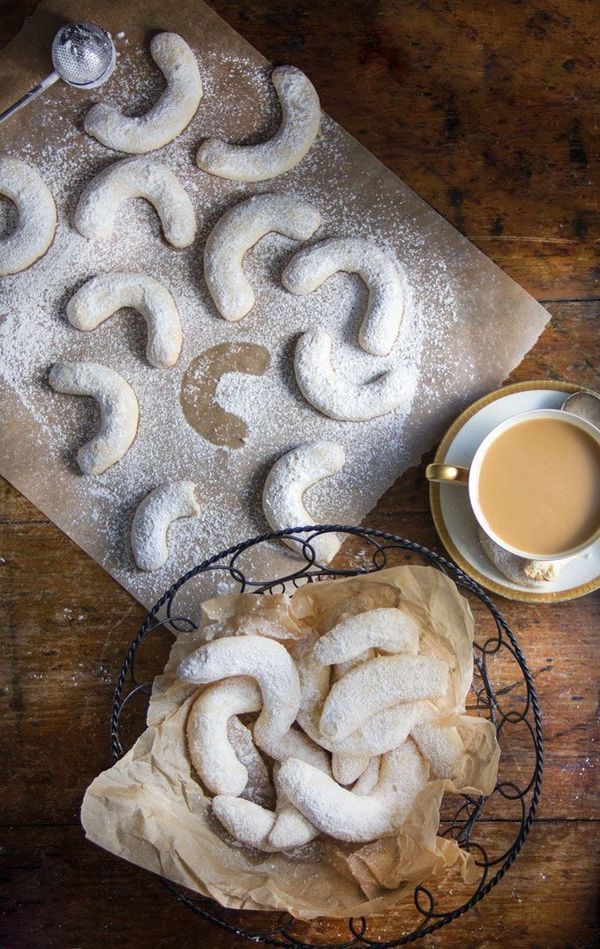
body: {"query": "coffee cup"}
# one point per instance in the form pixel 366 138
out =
pixel 534 484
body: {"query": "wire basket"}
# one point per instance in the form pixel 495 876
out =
pixel 502 691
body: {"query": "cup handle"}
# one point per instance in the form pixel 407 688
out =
pixel 447 473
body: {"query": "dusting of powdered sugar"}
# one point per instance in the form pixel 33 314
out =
pixel 239 104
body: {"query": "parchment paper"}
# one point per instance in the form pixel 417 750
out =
pixel 150 809
pixel 467 323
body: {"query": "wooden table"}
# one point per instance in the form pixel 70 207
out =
pixel 487 111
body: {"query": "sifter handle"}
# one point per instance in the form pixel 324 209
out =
pixel 32 94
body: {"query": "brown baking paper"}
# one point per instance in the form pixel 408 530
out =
pixel 150 809
pixel 466 323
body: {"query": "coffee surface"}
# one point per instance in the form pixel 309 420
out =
pixel 539 486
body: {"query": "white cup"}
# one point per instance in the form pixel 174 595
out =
pixel 470 477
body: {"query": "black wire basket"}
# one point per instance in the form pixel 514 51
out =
pixel 502 691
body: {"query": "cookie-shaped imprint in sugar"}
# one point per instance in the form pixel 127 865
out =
pixel 332 395
pixel 379 684
pixel 36 224
pixel 263 659
pixel 103 295
pixel 153 517
pixel 236 232
pixel 312 266
pixel 168 117
pixel 300 120
pixel 119 411
pixel 198 394
pixel 357 818
pixel 283 493
pixel 388 629
pixel 527 573
pixel 209 746
pixel 442 746
pixel 96 210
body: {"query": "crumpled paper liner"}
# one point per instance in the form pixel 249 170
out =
pixel 150 809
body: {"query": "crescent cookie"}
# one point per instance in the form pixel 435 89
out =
pixel 96 210
pixel 382 732
pixel 153 517
pixel 208 742
pixel 334 396
pixel 379 684
pixel 283 493
pixel 119 412
pixel 35 229
pixel 388 629
pixel 263 659
pixel 106 293
pixel 348 768
pixel 442 746
pixel 529 573
pixel 357 818
pixel 168 117
pixel 300 120
pixel 264 829
pixel 312 266
pixel 239 230
pixel 259 787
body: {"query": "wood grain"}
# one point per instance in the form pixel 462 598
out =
pixel 487 112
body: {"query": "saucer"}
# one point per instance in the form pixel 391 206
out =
pixel 452 514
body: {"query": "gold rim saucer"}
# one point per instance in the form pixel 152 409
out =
pixel 522 596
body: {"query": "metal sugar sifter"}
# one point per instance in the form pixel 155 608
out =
pixel 83 55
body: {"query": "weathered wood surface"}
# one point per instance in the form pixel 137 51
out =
pixel 487 112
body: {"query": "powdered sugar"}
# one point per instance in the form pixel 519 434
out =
pixel 461 304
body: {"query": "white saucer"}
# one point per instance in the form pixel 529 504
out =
pixel 452 514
